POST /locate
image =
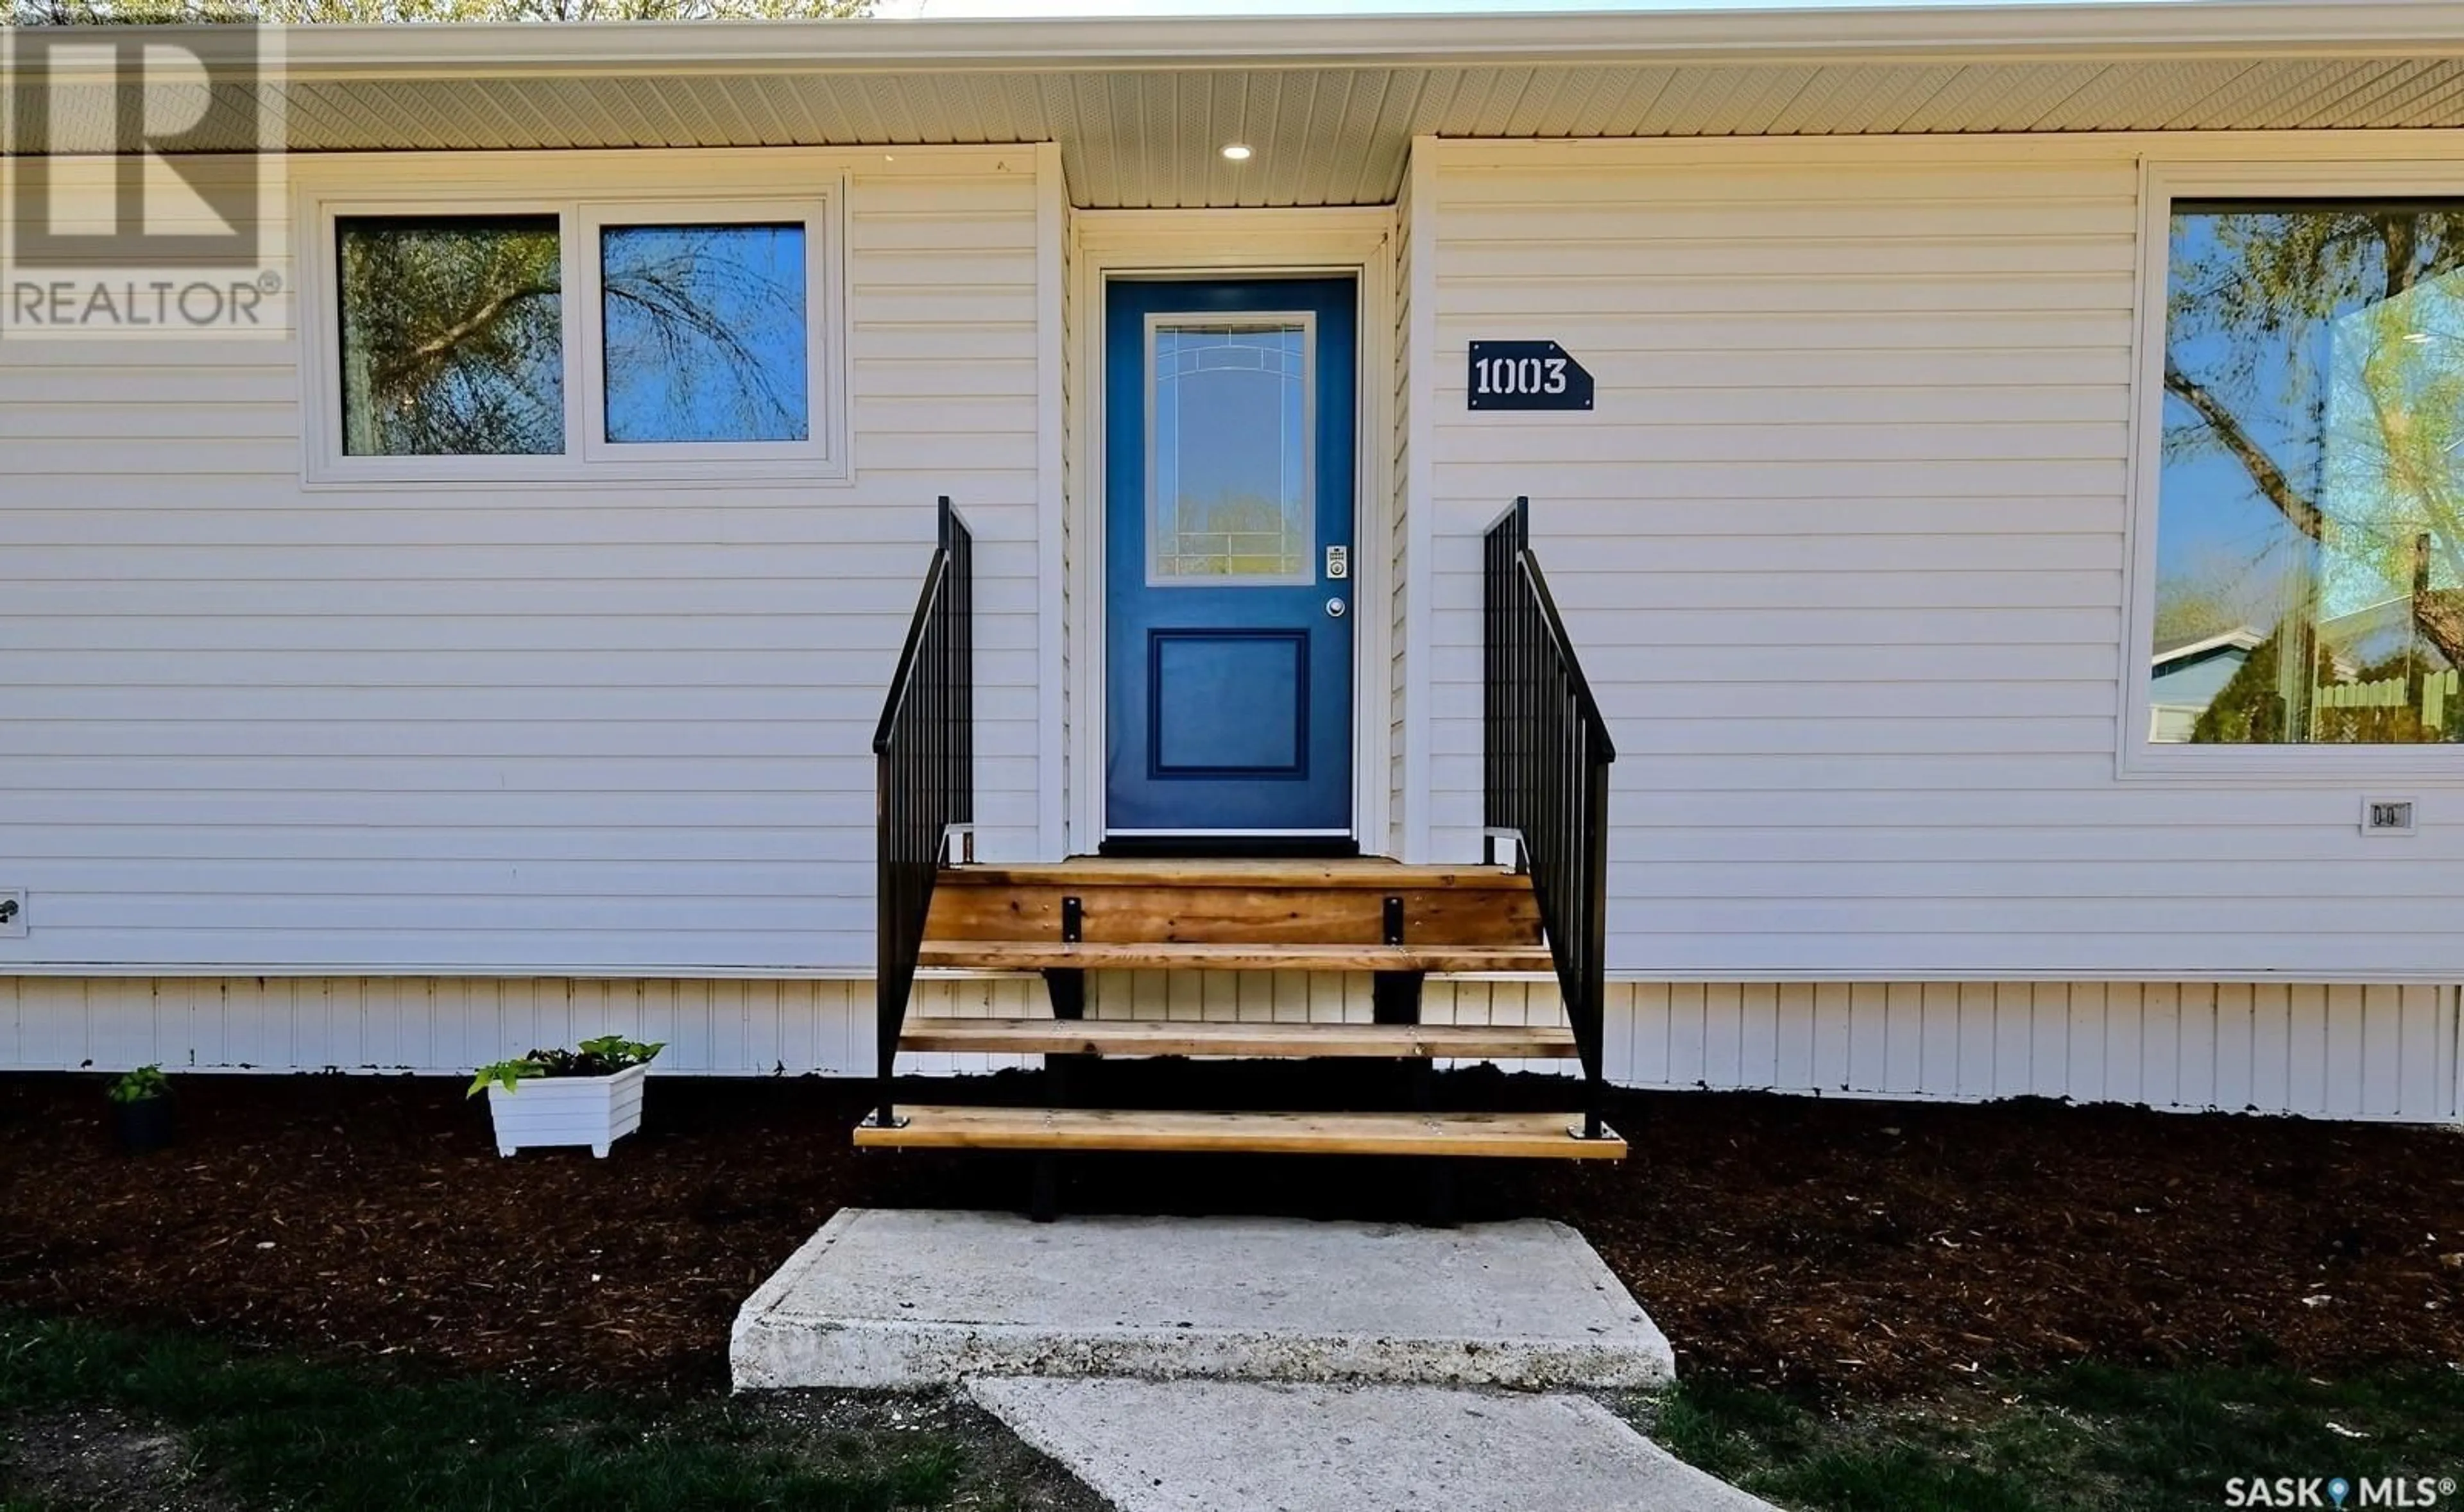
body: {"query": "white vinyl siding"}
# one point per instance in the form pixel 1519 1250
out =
pixel 1073 399
pixel 1398 540
pixel 410 779
pixel 2376 1052
pixel 1842 550
pixel 2373 1052
pixel 504 727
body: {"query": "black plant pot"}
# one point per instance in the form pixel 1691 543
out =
pixel 142 1126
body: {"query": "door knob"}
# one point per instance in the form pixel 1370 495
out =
pixel 1334 609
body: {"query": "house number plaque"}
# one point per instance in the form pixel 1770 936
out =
pixel 1527 375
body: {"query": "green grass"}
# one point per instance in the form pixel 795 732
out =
pixel 277 1433
pixel 281 1432
pixel 2093 1436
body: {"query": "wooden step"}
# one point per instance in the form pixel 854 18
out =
pixel 1025 955
pixel 1236 903
pixel 1124 1037
pixel 1484 1135
pixel 1108 871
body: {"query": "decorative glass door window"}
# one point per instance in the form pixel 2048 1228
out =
pixel 1230 413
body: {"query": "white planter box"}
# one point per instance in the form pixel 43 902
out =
pixel 594 1110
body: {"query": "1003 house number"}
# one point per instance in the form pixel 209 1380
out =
pixel 1526 375
pixel 1519 375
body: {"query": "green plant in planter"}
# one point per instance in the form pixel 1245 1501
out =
pixel 604 1056
pixel 143 1084
pixel 507 1074
pixel 141 1110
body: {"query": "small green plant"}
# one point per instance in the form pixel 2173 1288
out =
pixel 507 1074
pixel 143 1084
pixel 604 1056
pixel 612 1053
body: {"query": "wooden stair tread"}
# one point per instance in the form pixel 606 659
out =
pixel 1103 871
pixel 1053 955
pixel 1487 1135
pixel 1215 915
pixel 1127 1037
pixel 1103 901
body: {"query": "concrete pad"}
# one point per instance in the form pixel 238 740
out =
pixel 911 1299
pixel 1204 1446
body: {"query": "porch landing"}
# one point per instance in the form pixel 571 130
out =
pixel 881 1298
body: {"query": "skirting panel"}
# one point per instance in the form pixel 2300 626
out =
pixel 2375 1052
pixel 2366 1052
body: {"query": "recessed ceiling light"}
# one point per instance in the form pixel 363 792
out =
pixel 1236 151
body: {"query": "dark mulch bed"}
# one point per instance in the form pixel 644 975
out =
pixel 1853 1247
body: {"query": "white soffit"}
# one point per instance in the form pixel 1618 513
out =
pixel 1142 108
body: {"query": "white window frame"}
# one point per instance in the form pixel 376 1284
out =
pixel 2162 184
pixel 585 192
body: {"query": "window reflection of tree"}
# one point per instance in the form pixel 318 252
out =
pixel 2328 365
pixel 702 325
pixel 454 336
pixel 1235 535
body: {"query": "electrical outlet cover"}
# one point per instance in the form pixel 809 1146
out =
pixel 2387 815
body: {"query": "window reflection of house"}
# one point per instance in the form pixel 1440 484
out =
pixel 2368 637
pixel 2379 680
pixel 2186 678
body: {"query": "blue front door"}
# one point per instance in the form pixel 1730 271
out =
pixel 1229 430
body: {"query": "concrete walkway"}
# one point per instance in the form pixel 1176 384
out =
pixel 909 1299
pixel 1225 1365
pixel 1244 1446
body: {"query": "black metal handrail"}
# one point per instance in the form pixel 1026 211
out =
pixel 1545 753
pixel 924 752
